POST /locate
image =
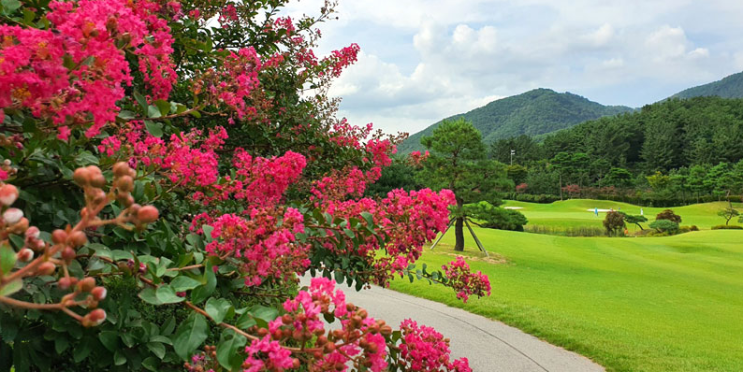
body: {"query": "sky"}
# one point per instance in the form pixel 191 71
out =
pixel 424 60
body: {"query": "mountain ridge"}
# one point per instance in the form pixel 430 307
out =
pixel 533 113
pixel 728 87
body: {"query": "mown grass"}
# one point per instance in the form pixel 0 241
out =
pixel 574 213
pixel 630 304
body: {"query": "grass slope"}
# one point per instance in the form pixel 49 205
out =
pixel 631 304
pixel 573 213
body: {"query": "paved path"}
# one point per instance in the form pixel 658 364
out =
pixel 490 346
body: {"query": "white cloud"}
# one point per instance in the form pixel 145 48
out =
pixel 425 60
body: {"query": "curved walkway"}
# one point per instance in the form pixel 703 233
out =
pixel 489 345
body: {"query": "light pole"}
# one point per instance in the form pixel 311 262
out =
pixel 513 152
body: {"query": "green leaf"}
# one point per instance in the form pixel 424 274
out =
pixel 86 158
pixel 149 296
pixel 163 106
pixel 265 313
pixel 368 217
pixel 10 6
pixel 190 335
pixel 207 232
pixel 141 100
pixel 151 364
pixel 110 340
pixel 119 255
pixel 349 233
pixel 7 259
pixel 157 348
pixel 61 343
pixel 166 295
pixel 219 309
pixel 227 350
pixel 119 358
pixel 153 112
pixel 81 351
pixel 126 115
pixel 245 321
pixel 162 340
pixel 183 283
pixel 201 293
pixel 11 288
pixel 154 128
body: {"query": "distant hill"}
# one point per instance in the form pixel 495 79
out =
pixel 729 87
pixel 533 113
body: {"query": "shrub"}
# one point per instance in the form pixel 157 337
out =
pixel 665 226
pixel 669 216
pixel 686 229
pixel 727 227
pixel 614 223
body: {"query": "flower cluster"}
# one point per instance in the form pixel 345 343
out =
pixel 416 158
pixel 78 69
pixel 233 83
pixel 406 221
pixel 424 349
pixel 265 245
pixel 258 181
pixel 466 283
pixel 361 341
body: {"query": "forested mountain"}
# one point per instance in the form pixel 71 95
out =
pixel 729 87
pixel 660 137
pixel 532 113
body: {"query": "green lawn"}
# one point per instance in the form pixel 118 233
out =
pixel 630 304
pixel 574 213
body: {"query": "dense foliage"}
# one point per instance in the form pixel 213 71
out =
pixel 492 217
pixel 670 153
pixel 169 169
pixel 532 113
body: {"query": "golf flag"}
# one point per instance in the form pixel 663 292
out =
pixel 641 212
pixel 596 210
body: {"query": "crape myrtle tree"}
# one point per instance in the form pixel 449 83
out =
pixel 167 171
pixel 458 161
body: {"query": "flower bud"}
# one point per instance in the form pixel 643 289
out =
pixel 68 254
pixel 121 169
pixel 125 184
pixel 8 194
pixel 99 293
pixel 64 283
pixel 59 236
pixel 86 285
pixel 98 196
pixel 33 232
pixel 12 216
pixel 96 317
pixel 20 227
pixel 147 214
pixel 81 176
pixel 25 255
pixel 78 239
pixel 46 268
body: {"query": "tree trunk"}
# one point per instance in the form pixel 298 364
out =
pixel 459 228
